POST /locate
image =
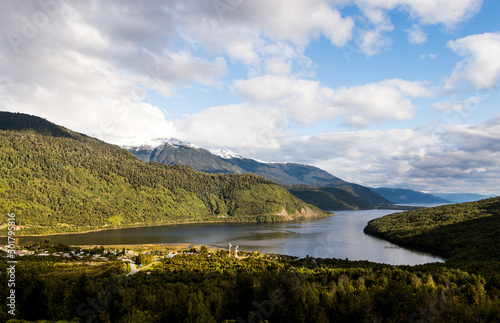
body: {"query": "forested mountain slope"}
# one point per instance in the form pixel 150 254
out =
pixel 309 183
pixel 56 180
pixel 343 197
pixel 288 173
pixel 460 232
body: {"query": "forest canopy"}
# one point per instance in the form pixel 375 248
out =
pixel 460 232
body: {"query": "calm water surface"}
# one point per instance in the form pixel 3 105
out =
pixel 340 236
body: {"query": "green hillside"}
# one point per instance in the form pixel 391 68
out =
pixel 309 183
pixel 56 180
pixel 287 173
pixel 460 232
pixel 345 197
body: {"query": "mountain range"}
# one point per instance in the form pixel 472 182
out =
pixel 175 152
pixel 309 183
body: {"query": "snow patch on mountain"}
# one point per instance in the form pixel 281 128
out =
pixel 179 143
pixel 156 142
pixel 281 163
pixel 225 153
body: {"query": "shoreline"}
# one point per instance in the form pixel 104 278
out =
pixel 327 214
pixel 114 228
pixel 170 245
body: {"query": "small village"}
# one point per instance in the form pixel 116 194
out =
pixel 136 255
pixel 86 253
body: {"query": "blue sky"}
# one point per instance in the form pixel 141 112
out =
pixel 393 93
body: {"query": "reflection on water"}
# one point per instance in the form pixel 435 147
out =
pixel 340 236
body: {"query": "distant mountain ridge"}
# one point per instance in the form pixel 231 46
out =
pixel 463 197
pixel 404 196
pixel 343 197
pixel 223 160
pixel 311 183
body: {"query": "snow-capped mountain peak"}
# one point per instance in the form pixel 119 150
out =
pixel 225 153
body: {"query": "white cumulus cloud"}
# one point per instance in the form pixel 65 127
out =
pixel 307 101
pixel 481 64
pixel 457 106
pixel 446 12
pixel 243 126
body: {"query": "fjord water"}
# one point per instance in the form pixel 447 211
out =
pixel 339 236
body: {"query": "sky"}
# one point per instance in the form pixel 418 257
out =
pixel 382 93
